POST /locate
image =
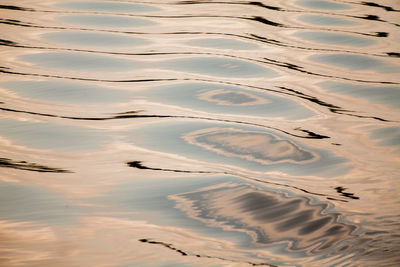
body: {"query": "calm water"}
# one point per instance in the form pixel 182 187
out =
pixel 200 133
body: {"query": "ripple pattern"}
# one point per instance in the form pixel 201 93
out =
pixel 200 133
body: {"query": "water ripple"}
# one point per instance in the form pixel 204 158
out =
pixel 255 133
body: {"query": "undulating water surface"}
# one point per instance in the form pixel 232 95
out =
pixel 200 133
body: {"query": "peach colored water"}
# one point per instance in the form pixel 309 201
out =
pixel 200 133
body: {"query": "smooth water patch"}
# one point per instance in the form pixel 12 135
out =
pixel 323 5
pixel 67 92
pixel 226 99
pixel 101 21
pixel 108 6
pixel 94 39
pixel 222 43
pixel 387 95
pixel 22 202
pixel 387 136
pixel 220 66
pixel 80 62
pixel 326 20
pixel 335 39
pixel 53 136
pixel 242 146
pixel 356 62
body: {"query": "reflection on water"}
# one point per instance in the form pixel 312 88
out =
pixel 268 217
pixel 23 165
pixel 221 98
pixel 334 38
pixel 231 98
pixel 218 66
pixel 199 133
pixel 357 62
pixel 80 62
pixel 322 4
pixel 93 39
pixel 222 43
pixel 66 92
pixel 248 145
pixel 215 66
pixel 241 147
pixel 387 95
pixel 52 136
pixel 326 20
pixel 21 203
pixel 107 6
pixel 388 136
pixel 101 21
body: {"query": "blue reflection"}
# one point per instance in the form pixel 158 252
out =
pixel 101 21
pixel 67 92
pixel 53 136
pixel 321 4
pixel 326 20
pixel 356 62
pixel 387 136
pixel 81 62
pixel 23 202
pixel 94 39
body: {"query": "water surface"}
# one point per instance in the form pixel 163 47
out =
pixel 200 133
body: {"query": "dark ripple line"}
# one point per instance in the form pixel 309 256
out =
pixel 281 44
pixel 333 108
pixel 387 8
pixel 83 79
pixel 268 61
pixel 300 69
pixel 11 7
pixel 254 18
pixel 183 253
pixel 262 5
pixel 138 165
pixel 279 9
pixel 341 190
pixel 192 2
pixel 292 92
pixel 134 115
pixel 271 23
pixel 362 116
pixel 252 37
pixel 26 166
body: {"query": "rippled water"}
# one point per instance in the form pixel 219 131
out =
pixel 200 133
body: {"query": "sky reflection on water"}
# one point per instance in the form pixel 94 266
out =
pixel 199 133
